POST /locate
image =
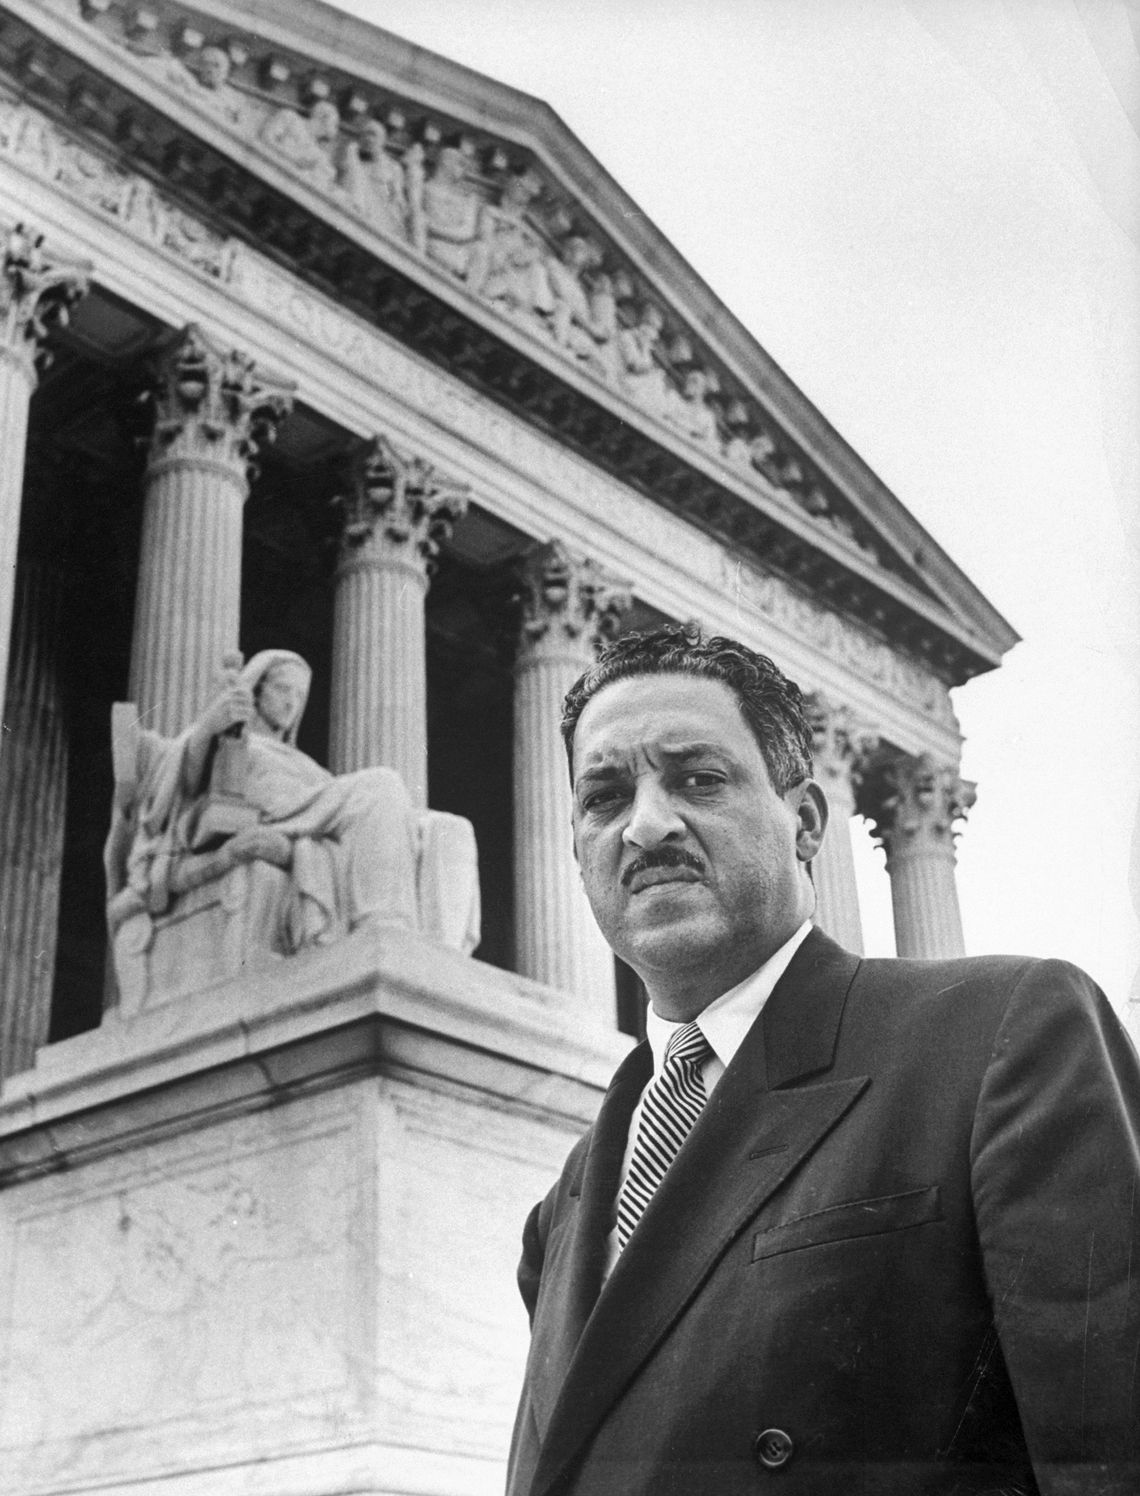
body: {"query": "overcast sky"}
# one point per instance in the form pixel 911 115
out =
pixel 925 210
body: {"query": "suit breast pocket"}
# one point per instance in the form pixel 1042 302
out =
pixel 852 1218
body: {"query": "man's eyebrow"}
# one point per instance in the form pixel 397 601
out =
pixel 680 753
pixel 684 751
pixel 599 771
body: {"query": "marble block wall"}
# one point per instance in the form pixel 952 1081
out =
pixel 291 1271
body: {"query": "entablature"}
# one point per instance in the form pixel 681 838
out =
pixel 384 188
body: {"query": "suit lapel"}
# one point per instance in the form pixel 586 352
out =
pixel 749 1138
pixel 576 1257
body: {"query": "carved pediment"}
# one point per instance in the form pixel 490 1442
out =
pixel 372 168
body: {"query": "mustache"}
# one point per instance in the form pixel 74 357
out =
pixel 661 857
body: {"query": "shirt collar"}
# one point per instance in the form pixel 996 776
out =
pixel 728 1018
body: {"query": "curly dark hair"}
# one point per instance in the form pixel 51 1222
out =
pixel 772 705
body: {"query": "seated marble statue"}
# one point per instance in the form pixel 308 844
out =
pixel 335 852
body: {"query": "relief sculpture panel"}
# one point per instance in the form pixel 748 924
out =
pixel 492 219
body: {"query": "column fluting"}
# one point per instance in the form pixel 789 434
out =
pixel 569 606
pixel 841 748
pixel 37 290
pixel 397 511
pixel 915 804
pixel 212 412
pixel 33 793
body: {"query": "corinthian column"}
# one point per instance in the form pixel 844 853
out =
pixel 33 788
pixel 397 512
pixel 841 747
pixel 37 290
pixel 212 412
pixel 569 606
pixel 915 803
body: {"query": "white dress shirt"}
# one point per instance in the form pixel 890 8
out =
pixel 724 1024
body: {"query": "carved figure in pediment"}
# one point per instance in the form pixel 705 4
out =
pixel 444 208
pixel 374 181
pixel 205 81
pixel 605 326
pixel 791 473
pixel 584 316
pixel 507 263
pixel 307 142
pixel 637 347
pixel 688 408
pixel 815 501
pixel 764 456
pixel 738 450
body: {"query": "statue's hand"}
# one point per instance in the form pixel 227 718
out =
pixel 261 844
pixel 234 705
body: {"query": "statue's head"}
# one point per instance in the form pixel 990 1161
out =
pixel 213 67
pixel 279 680
pixel 373 139
pixel 324 121
pixel 451 164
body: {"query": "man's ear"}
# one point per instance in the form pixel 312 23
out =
pixel 811 818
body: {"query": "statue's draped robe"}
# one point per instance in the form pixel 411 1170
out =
pixel 352 836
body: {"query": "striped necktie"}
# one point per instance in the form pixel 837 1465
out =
pixel 672 1103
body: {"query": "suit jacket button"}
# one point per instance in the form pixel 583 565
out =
pixel 773 1448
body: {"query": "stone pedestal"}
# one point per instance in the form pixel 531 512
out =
pixel 396 512
pixel 212 409
pixel 37 289
pixel 568 605
pixel 915 804
pixel 264 1240
pixel 33 790
pixel 841 746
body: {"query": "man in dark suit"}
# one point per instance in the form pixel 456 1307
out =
pixel 842 1225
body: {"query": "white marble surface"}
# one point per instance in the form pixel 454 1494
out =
pixel 369 978
pixel 286 1235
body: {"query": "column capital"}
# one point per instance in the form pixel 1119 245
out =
pixel 568 599
pixel 841 742
pixel 916 803
pixel 38 288
pixel 213 406
pixel 396 508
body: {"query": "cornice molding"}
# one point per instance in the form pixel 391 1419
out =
pixel 744 481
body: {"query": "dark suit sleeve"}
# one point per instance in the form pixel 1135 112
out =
pixel 1056 1181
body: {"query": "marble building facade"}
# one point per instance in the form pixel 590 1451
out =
pixel 313 341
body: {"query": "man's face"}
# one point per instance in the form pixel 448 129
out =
pixel 693 864
pixel 281 697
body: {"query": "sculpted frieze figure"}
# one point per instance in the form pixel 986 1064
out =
pixel 374 181
pixel 689 409
pixel 637 345
pixel 444 208
pixel 509 248
pixel 507 263
pixel 764 456
pixel 205 80
pixel 333 853
pixel 307 142
pixel 583 317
